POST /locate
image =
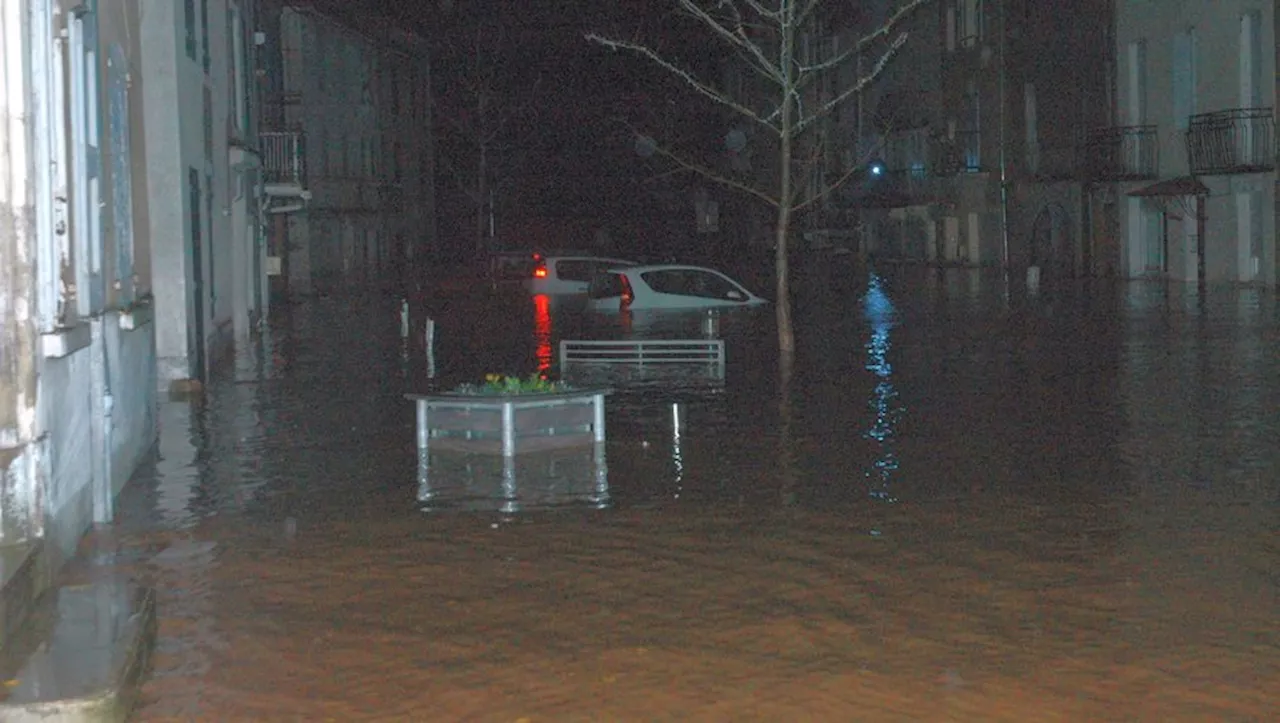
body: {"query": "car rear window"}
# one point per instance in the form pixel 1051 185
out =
pixel 607 286
pixel 573 270
pixel 511 266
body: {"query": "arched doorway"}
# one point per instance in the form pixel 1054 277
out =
pixel 1051 243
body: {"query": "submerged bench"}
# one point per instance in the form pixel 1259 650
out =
pixel 640 352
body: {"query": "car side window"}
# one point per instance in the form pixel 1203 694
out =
pixel 606 286
pixel 692 282
pixel 666 282
pixel 573 270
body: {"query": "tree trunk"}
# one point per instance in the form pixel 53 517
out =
pixel 782 231
pixel 482 195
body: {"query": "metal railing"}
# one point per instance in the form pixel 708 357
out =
pixel 1121 153
pixel 284 157
pixel 1240 140
pixel 643 351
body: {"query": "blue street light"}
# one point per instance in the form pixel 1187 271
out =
pixel 876 169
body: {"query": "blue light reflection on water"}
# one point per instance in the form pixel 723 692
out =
pixel 880 313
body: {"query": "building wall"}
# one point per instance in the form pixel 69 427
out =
pixel 77 406
pixel 201 181
pixel 364 106
pixel 1240 208
pixel 977 120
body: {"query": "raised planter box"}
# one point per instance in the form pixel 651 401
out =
pixel 507 424
pixel 571 477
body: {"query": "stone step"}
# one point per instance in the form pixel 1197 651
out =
pixel 23 579
pixel 82 654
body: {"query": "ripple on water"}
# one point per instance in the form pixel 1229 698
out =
pixel 1070 541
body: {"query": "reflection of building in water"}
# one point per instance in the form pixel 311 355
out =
pixel 542 331
pixel 880 313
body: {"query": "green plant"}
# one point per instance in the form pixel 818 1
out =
pixel 509 384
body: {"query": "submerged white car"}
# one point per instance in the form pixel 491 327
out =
pixel 666 286
pixel 556 275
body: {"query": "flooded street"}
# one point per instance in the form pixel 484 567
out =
pixel 972 507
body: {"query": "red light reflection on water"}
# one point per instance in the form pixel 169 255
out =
pixel 542 331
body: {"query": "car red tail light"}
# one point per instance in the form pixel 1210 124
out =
pixel 627 294
pixel 540 272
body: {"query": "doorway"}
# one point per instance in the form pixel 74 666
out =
pixel 195 333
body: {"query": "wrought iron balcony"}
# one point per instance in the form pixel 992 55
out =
pixel 1121 153
pixel 284 158
pixel 1241 140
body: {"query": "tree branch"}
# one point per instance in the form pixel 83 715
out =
pixel 737 38
pixel 681 73
pixel 854 89
pixel 685 164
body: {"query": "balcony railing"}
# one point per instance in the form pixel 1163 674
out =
pixel 284 157
pixel 1121 153
pixel 1242 140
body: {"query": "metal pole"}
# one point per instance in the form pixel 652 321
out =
pixel 508 430
pixel 597 423
pixel 423 438
pixel 431 348
pixel 1004 166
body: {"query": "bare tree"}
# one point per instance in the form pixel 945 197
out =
pixel 478 112
pixel 766 36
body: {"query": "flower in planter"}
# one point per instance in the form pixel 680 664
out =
pixel 505 384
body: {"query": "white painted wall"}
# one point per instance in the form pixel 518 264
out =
pixel 1235 229
pixel 71 440
pixel 206 313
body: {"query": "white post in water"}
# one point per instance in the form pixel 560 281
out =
pixel 404 318
pixel 431 348
pixel 711 324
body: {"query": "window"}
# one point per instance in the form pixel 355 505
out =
pixel 121 181
pixel 239 101
pixel 393 81
pixel 208 124
pixel 208 220
pixel 1251 59
pixel 692 282
pixel 1033 131
pixel 204 32
pixel 1184 78
pixel 970 138
pixel 1137 82
pixel 970 22
pixel 189 17
pixel 573 270
pixel 607 286
pixel 951 28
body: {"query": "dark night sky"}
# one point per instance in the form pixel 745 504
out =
pixel 579 169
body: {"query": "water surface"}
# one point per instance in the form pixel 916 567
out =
pixel 971 506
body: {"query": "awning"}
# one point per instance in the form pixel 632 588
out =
pixel 1180 186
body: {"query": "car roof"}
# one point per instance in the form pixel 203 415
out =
pixel 588 256
pixel 642 268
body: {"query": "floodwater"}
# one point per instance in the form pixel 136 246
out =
pixel 973 506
